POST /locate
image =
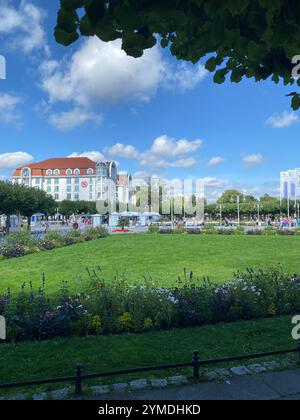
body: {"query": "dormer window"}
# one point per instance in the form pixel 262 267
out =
pixel 69 172
pixel 76 172
pixel 26 173
pixel 90 171
pixel 57 172
pixel 49 172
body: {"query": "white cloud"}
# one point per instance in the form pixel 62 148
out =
pixel 215 161
pixel 168 146
pixel 285 119
pixel 14 160
pixel 98 73
pixel 9 113
pixel 68 120
pixel 21 27
pixel 101 72
pixel 252 160
pixel 152 161
pixel 165 152
pixel 214 182
pixel 122 151
pixel 95 156
pixel 185 77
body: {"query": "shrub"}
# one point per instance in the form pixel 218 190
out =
pixel 101 232
pixel 47 245
pixel 270 231
pixel 101 308
pixel 180 230
pixel 286 232
pixel 153 229
pixel 226 231
pixel 257 232
pixel 166 230
pixel 54 236
pixel 23 238
pixel 239 231
pixel 12 251
pixel 209 230
pixel 194 231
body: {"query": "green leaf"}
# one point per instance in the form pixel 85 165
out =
pixel 220 76
pixel 296 102
pixel 65 38
pixel 211 64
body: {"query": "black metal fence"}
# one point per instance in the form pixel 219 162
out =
pixel 195 364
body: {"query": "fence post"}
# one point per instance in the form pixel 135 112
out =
pixel 196 365
pixel 78 380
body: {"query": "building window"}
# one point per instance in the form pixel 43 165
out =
pixel 69 181
pixel 91 196
pixel 37 181
pixel 69 196
pixel 69 172
pixel 48 181
pixel 49 189
pixel 76 188
pixel 76 196
pixel 76 181
pixel 68 188
pixel 57 172
pixel 49 172
pixel 56 196
pixel 56 189
pixel 56 181
pixel 102 170
pixel 26 173
pixel 90 171
pixel 91 188
pixel 76 172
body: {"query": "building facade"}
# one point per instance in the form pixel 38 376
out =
pixel 290 184
pixel 74 179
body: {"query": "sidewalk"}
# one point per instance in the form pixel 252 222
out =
pixel 284 385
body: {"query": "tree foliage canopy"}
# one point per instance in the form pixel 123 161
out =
pixel 15 198
pixel 238 38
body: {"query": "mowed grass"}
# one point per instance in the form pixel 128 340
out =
pixel 58 357
pixel 161 257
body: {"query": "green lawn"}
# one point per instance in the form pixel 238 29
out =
pixel 104 353
pixel 163 257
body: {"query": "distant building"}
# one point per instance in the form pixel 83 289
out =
pixel 77 178
pixel 290 184
pixel 123 187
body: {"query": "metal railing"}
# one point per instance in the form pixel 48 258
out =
pixel 196 365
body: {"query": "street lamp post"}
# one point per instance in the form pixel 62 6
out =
pixel 221 208
pixel 258 207
pixel 238 201
pixel 297 208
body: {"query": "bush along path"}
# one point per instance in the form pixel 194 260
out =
pixel 100 308
pixel 22 243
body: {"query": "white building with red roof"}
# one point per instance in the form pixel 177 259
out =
pixel 74 178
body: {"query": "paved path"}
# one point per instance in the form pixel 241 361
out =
pixel 283 385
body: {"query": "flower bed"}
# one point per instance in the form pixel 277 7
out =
pixel 100 308
pixel 213 230
pixel 23 243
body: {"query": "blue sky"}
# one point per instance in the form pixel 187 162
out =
pixel 153 115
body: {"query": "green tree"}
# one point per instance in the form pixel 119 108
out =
pixel 228 195
pixel 9 200
pixel 33 200
pixel 238 38
pixel 67 208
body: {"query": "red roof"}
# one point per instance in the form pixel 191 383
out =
pixel 40 168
